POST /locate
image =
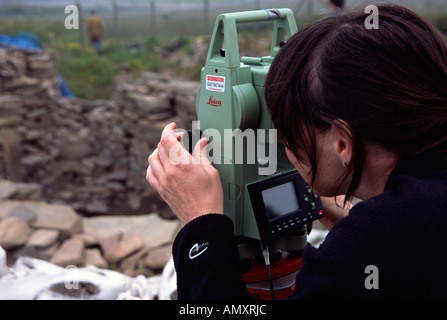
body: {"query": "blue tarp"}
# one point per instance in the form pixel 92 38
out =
pixel 24 40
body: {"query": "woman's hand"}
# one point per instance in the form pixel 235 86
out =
pixel 334 210
pixel 189 184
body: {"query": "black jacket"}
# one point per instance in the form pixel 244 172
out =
pixel 399 235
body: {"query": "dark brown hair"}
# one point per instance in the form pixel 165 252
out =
pixel 389 85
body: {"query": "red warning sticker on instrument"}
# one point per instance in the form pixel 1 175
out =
pixel 215 83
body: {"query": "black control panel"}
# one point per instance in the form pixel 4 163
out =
pixel 283 203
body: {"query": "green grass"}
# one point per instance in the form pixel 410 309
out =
pixel 87 75
pixel 439 20
pixel 91 77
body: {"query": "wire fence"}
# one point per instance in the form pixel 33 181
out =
pixel 126 19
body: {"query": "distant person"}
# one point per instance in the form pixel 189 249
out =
pixel 336 5
pixel 95 30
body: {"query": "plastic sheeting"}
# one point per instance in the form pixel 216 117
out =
pixel 28 41
pixel 35 279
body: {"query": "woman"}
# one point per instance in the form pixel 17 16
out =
pixel 362 113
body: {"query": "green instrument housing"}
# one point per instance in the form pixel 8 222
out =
pixel 231 98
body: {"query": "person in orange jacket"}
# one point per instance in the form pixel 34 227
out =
pixel 336 6
pixel 95 30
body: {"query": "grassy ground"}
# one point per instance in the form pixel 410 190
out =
pixel 88 75
pixel 91 77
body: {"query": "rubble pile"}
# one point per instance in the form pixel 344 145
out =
pixel 91 155
pixel 29 86
pixel 72 172
pixel 31 227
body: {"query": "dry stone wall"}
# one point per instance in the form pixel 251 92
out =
pixel 72 171
pixel 91 155
pixel 29 226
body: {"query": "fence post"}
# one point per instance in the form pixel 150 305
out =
pixel 115 20
pixel 153 17
pixel 81 24
pixel 428 5
pixel 206 15
pixel 310 7
pixel 299 5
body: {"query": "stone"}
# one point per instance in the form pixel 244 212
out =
pixel 134 201
pixel 125 247
pixel 21 83
pixel 153 230
pixel 6 206
pixel 10 105
pixel 116 187
pixel 75 148
pixel 34 161
pixel 46 253
pixel 57 217
pixel 151 104
pixel 36 114
pixel 160 116
pixel 158 257
pixel 118 175
pixel 28 191
pixel 71 252
pixel 69 169
pixel 136 272
pixel 134 261
pixel 23 213
pixel 7 189
pixel 97 206
pixel 33 135
pixel 108 243
pixel 93 257
pixel 89 239
pixel 20 191
pixel 21 251
pixel 13 232
pixel 42 69
pixel 42 238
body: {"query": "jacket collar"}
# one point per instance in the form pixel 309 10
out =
pixel 428 165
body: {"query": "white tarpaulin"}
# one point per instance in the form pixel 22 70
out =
pixel 34 279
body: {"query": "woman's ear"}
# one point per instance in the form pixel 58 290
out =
pixel 342 140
